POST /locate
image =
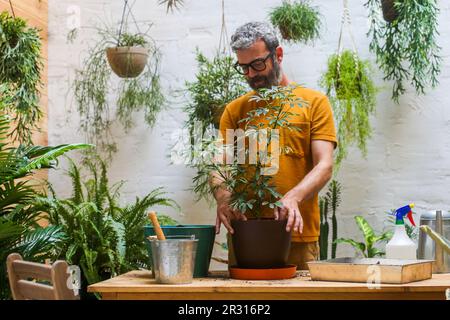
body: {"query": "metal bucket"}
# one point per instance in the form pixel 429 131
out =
pixel 174 259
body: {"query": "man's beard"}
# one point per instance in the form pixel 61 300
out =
pixel 267 81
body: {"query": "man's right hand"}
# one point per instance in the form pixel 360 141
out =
pixel 225 214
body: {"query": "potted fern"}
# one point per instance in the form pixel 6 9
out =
pixel 406 48
pixel 251 184
pixel 297 21
pixel 352 93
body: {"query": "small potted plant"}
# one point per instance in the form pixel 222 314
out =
pixel 251 185
pixel 129 58
pixel 297 21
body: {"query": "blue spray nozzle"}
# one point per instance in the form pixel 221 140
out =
pixel 404 211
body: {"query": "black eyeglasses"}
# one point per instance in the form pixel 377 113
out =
pixel 257 65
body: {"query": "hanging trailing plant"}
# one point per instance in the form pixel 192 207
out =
pixel 297 21
pixel 406 48
pixel 20 72
pixel 352 94
pixel 95 89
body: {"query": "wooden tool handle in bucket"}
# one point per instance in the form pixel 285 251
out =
pixel 158 230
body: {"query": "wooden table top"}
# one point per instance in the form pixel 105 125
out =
pixel 140 282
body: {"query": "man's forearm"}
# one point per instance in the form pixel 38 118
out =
pixel 312 183
pixel 219 192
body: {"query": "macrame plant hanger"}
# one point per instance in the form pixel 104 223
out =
pixel 346 22
pixel 224 45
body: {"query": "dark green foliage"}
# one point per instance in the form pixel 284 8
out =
pixel 406 48
pixel 20 72
pixel 102 237
pixel 367 249
pixel 331 199
pixel 297 21
pixel 251 189
pixel 96 93
pixel 352 94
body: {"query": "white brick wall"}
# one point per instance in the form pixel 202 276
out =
pixel 408 156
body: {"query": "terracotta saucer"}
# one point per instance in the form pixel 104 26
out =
pixel 280 273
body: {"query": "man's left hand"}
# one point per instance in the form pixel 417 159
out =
pixel 290 211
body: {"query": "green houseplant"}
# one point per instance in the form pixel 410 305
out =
pixel 331 199
pixel 297 21
pixel 406 48
pixel 20 73
pixel 97 93
pixel 102 237
pixel 19 230
pixel 216 84
pixel 252 187
pixel 368 248
pixel 352 94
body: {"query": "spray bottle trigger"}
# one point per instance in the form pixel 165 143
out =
pixel 410 217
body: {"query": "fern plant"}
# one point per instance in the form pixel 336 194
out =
pixel 102 237
pixel 352 94
pixel 19 230
pixel 331 199
pixel 406 48
pixel 368 248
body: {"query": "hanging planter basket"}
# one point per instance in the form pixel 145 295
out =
pixel 390 14
pixel 127 62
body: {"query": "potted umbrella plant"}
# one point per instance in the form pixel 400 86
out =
pixel 251 184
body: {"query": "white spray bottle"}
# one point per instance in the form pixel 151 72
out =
pixel 401 246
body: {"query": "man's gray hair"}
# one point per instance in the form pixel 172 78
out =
pixel 246 35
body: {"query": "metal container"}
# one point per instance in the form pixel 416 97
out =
pixel 174 259
pixel 427 248
pixel 370 270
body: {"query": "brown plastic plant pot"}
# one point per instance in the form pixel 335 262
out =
pixel 127 62
pixel 261 243
pixel 389 11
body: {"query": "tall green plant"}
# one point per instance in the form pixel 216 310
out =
pixel 368 248
pixel 20 73
pixel 332 198
pixel 98 95
pixel 406 48
pixel 102 237
pixel 351 91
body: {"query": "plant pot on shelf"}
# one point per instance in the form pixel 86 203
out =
pixel 389 11
pixel 261 243
pixel 127 62
pixel 205 234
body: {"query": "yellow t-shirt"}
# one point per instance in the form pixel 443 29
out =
pixel 315 120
